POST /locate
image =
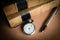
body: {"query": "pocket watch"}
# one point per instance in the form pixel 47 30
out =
pixel 29 28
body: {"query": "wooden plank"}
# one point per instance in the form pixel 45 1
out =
pixel 15 19
pixel 32 3
pixel 12 9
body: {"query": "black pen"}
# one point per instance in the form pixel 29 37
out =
pixel 53 13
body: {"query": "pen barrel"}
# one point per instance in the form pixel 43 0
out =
pixel 53 13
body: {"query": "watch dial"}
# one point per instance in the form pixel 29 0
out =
pixel 29 28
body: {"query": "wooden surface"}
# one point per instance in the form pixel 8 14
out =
pixel 39 15
pixel 52 32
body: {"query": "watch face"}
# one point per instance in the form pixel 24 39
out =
pixel 29 28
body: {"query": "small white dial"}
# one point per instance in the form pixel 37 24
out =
pixel 29 28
